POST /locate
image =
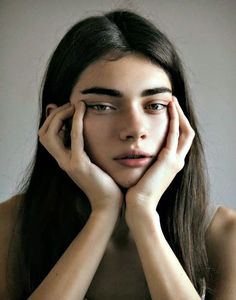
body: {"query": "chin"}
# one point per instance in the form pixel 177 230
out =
pixel 128 178
pixel 127 183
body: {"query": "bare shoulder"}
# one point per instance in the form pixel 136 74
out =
pixel 10 204
pixel 8 213
pixel 223 225
pixel 221 249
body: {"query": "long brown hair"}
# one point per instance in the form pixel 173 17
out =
pixel 54 209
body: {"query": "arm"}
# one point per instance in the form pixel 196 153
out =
pixel 221 249
pixel 71 276
pixel 165 276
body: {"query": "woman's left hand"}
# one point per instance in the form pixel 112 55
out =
pixel 146 194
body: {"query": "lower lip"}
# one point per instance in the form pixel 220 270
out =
pixel 135 162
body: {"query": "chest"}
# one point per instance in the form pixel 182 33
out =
pixel 119 276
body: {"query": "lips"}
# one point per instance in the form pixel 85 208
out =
pixel 135 154
pixel 134 159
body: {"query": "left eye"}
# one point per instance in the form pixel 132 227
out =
pixel 156 106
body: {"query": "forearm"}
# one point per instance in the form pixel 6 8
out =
pixel 71 276
pixel 165 276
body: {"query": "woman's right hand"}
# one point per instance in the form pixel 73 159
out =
pixel 101 190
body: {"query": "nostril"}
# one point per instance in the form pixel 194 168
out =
pixel 130 133
pixel 129 137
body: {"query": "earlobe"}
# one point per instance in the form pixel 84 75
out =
pixel 50 107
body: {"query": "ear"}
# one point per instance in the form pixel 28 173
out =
pixel 50 107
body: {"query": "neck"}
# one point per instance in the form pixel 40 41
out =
pixel 121 234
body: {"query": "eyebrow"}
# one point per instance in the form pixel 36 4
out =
pixel 116 93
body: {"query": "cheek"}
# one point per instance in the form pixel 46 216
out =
pixel 95 137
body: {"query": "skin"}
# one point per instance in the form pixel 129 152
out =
pixel 99 176
pixel 128 123
pixel 96 138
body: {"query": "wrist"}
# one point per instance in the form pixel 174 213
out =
pixel 110 206
pixel 139 219
pixel 109 214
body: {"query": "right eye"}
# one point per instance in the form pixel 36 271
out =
pixel 99 107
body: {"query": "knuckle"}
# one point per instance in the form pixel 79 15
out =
pixel 61 164
pixel 180 164
pixel 44 139
pixel 40 133
pixel 192 133
pixel 41 138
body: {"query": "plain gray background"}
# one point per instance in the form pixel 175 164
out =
pixel 204 33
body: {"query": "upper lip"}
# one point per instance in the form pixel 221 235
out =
pixel 133 153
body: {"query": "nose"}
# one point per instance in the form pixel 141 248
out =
pixel 133 126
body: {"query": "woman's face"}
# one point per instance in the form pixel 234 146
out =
pixel 126 119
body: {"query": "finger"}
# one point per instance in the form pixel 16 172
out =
pixel 183 121
pixel 77 141
pixel 173 133
pixel 186 132
pixel 49 134
pixel 185 143
pixel 57 149
pixel 48 120
pixel 58 121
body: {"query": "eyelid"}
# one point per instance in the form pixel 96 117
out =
pixel 163 105
pixel 92 105
pixel 97 102
pixel 164 100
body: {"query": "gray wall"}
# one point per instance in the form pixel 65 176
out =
pixel 203 31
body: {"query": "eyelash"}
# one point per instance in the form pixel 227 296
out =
pixel 92 106
pixel 164 106
pixel 108 107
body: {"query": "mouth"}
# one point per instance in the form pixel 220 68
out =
pixel 134 159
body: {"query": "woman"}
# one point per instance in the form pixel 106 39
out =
pixel 116 205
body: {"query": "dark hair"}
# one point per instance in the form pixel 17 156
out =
pixel 53 209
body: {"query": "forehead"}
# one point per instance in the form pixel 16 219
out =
pixel 131 72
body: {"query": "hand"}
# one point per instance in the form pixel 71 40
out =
pixel 146 194
pixel 101 190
